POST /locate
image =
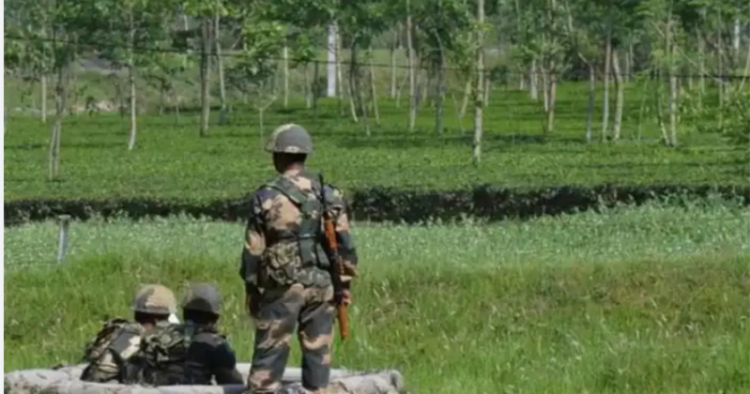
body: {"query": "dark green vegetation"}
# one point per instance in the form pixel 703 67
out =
pixel 392 174
pixel 650 300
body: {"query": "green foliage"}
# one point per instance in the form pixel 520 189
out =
pixel 387 175
pixel 110 24
pixel 442 27
pixel 303 49
pixel 737 118
pixel 13 54
pixel 383 204
pixel 362 21
pixel 206 8
pixel 648 300
pixel 256 64
pixel 302 13
pixel 173 162
pixel 28 49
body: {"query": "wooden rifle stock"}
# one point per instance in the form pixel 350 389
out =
pixel 338 270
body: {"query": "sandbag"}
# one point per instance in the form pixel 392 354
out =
pixel 66 381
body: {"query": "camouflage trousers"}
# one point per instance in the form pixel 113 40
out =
pixel 280 312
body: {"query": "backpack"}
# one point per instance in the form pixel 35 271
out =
pixel 115 337
pixel 163 352
pixel 104 338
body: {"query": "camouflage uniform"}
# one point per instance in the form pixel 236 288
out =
pixel 210 354
pixel 285 269
pixel 189 353
pixel 109 353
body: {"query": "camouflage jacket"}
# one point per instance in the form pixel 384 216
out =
pixel 185 354
pixel 284 237
pixel 107 355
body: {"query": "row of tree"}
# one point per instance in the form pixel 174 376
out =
pixel 545 40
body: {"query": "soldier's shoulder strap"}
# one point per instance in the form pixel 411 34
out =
pixel 289 189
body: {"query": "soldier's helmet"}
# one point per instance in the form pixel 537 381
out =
pixel 202 297
pixel 155 299
pixel 290 138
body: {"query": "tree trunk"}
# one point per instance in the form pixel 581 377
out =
pixel 545 89
pixel 73 93
pixel 720 71
pixel 307 87
pixel 736 35
pixel 670 46
pixel 440 94
pixel 628 69
pixel 315 88
pixel 487 91
pixel 607 71
pixel 672 106
pixel 176 108
pixel 467 96
pixel 534 81
pixel 643 108
pixel 332 66
pixel 412 70
pixel 460 118
pixel 425 81
pixel 374 93
pixel 43 81
pixel 552 97
pixel 356 90
pixel 61 93
pixel 185 29
pixel 746 70
pixel 394 70
pixel 363 108
pixel 339 74
pixel 620 98
pixel 633 68
pixel 479 96
pixel 220 70
pixel 131 82
pixel 262 107
pixel 162 98
pixel 119 95
pixel 660 111
pixel 133 109
pixel 400 87
pixel 205 64
pixel 702 64
pixel 590 109
pixel 285 55
pixel 353 91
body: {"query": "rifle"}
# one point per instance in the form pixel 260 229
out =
pixel 337 266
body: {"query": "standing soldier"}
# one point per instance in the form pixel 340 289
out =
pixel 287 269
pixel 108 355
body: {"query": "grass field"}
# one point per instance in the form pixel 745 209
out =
pixel 629 300
pixel 172 161
pixel 633 300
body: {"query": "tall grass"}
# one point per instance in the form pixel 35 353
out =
pixel 631 300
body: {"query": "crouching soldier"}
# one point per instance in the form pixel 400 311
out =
pixel 193 352
pixel 109 353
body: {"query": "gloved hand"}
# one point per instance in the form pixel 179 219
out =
pixel 346 297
